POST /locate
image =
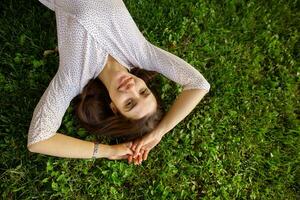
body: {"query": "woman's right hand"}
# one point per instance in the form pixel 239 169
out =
pixel 120 151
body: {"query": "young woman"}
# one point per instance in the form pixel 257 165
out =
pixel 99 41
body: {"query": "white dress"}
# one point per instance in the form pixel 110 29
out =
pixel 87 31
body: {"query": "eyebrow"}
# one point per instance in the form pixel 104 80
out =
pixel 136 103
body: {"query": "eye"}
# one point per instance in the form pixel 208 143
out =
pixel 129 103
pixel 144 91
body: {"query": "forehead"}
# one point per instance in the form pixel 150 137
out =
pixel 144 107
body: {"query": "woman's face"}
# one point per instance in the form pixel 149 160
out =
pixel 130 96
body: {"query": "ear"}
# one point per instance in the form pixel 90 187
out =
pixel 113 108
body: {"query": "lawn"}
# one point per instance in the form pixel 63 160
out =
pixel 240 142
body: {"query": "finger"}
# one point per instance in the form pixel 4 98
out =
pixel 142 154
pixel 135 161
pixel 129 159
pixel 138 148
pixel 134 144
pixel 140 159
pixel 145 155
pixel 137 155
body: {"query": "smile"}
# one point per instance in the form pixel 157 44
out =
pixel 124 81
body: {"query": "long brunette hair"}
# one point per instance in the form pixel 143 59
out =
pixel 92 110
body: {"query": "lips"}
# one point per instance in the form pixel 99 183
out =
pixel 124 81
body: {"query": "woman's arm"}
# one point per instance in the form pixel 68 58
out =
pixel 185 102
pixel 61 145
pixel 80 59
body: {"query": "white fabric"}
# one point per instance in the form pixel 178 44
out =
pixel 87 31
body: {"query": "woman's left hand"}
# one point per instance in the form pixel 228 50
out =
pixel 142 146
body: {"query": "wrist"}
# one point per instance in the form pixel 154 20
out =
pixel 104 151
pixel 160 130
pixel 158 133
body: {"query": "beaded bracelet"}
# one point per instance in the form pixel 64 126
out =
pixel 96 148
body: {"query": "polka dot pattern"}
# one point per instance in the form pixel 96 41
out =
pixel 87 31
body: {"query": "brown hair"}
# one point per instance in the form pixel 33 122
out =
pixel 92 110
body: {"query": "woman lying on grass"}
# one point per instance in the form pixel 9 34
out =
pixel 106 65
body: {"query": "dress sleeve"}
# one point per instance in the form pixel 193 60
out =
pixel 145 55
pixel 79 60
pixel 48 113
pixel 151 57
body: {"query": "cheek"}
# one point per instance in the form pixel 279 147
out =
pixel 117 99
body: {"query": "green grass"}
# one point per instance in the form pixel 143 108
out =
pixel 240 142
